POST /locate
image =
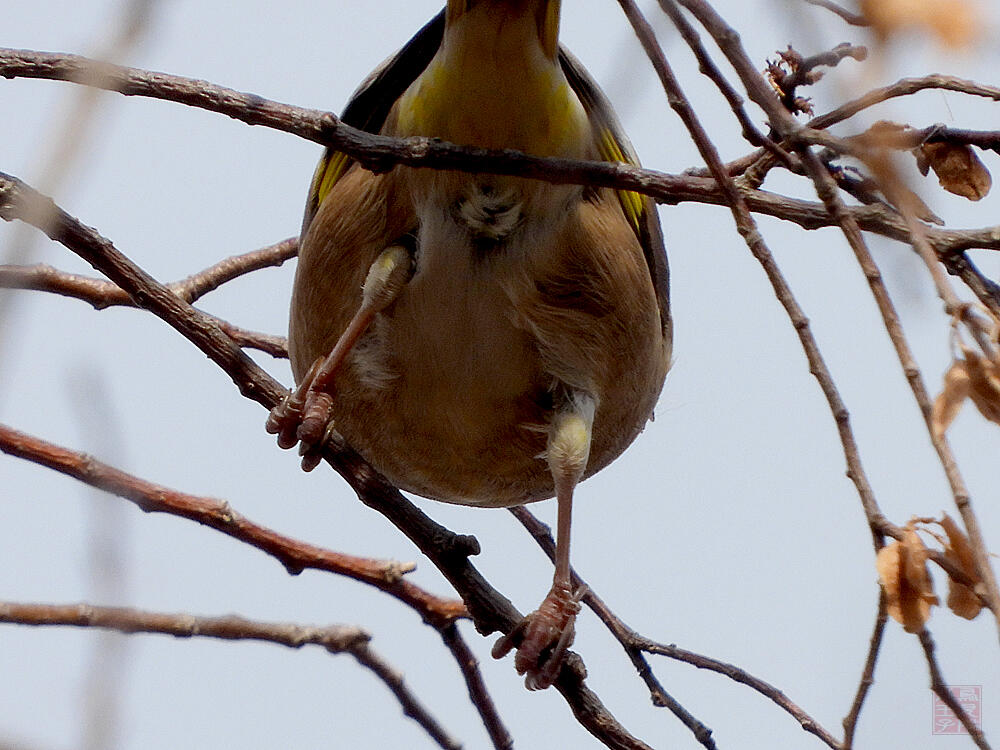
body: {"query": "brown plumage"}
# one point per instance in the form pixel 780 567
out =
pixel 526 343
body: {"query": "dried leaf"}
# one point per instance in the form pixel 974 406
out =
pixel 956 23
pixel 984 384
pixel 902 570
pixel 962 600
pixel 923 165
pixel 958 169
pixel 950 400
pixel 887 565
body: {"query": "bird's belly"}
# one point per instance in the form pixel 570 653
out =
pixel 450 393
pixel 447 397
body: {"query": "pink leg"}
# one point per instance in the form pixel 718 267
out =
pixel 305 413
pixel 543 637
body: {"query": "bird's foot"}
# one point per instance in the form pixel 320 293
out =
pixel 304 418
pixel 543 637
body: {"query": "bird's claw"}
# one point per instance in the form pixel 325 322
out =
pixel 304 418
pixel 543 637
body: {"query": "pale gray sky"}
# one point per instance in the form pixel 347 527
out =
pixel 728 528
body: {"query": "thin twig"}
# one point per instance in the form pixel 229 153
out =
pixel 449 552
pixel 867 674
pixel 102 294
pixel 807 722
pixel 380 152
pixel 940 688
pixel 827 192
pixel 904 87
pixel 708 67
pixel 478 694
pixel 635 644
pixel 198 285
pixel 276 346
pixel 747 228
pixel 412 707
pixel 542 535
pixel 792 70
pixel 337 639
pixel 792 133
pixel 294 555
pixel 854 19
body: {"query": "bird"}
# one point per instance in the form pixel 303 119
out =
pixel 481 339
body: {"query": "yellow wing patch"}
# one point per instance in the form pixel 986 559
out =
pixel 631 201
pixel 330 169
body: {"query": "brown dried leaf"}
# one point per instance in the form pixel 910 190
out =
pixel 958 169
pixel 956 23
pixel 962 600
pixel 902 570
pixel 950 400
pixel 984 384
pixel 887 565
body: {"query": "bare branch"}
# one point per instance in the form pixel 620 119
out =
pixel 448 551
pixel 747 228
pixel 480 697
pixel 337 639
pixel 44 278
pixel 854 19
pixel 867 674
pixel 940 689
pixel 635 645
pixel 801 71
pixel 294 555
pixel 102 294
pixel 412 707
pixel 276 346
pixel 905 87
pixel 791 132
pixel 199 284
pixel 380 152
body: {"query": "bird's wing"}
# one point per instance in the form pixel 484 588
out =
pixel 370 104
pixel 614 145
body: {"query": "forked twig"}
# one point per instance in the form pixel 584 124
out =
pixel 337 639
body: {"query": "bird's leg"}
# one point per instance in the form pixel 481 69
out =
pixel 543 637
pixel 304 415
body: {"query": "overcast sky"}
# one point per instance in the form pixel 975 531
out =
pixel 728 528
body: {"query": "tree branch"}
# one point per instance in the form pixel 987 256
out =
pixel 940 689
pixel 336 639
pixel 747 228
pixel 636 644
pixel 449 552
pixel 791 132
pixel 904 87
pixel 102 294
pixel 294 555
pixel 854 19
pixel 381 153
pixel 867 674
